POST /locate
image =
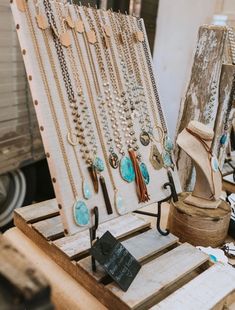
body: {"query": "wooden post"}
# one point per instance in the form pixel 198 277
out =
pixel 207 92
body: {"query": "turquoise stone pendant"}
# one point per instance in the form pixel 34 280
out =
pixel 214 164
pixel 167 159
pixel 119 204
pixel 86 190
pixel 99 164
pixel 145 173
pixel 223 139
pixel 127 169
pixel 168 144
pixel 81 213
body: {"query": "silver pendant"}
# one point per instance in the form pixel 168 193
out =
pixel 144 138
pixel 156 158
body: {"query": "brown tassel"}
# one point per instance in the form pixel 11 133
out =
pixel 141 188
pixel 94 178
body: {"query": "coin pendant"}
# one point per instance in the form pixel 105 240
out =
pixel 113 160
pixel 144 138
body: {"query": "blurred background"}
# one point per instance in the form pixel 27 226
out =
pixel 172 28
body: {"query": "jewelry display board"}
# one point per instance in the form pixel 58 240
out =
pixel 105 137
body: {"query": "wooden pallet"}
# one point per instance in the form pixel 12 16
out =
pixel 169 270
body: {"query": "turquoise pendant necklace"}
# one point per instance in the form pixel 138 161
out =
pixel 81 213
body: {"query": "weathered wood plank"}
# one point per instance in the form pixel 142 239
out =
pixel 201 98
pixel 141 247
pixel 20 283
pixel 204 292
pixel 39 211
pixel 51 228
pixel 127 225
pixel 159 274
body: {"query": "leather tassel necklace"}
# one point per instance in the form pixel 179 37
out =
pixel 141 187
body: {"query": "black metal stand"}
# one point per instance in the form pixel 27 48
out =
pixel 173 195
pixel 93 238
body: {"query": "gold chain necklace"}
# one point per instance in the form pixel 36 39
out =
pixel 85 186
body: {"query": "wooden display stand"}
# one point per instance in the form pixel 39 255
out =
pixel 198 226
pixel 168 268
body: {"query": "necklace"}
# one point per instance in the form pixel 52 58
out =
pixel 41 21
pixel 224 136
pixel 79 205
pixel 97 163
pixel 106 106
pixel 137 39
pixel 167 143
pixel 118 200
pixel 214 166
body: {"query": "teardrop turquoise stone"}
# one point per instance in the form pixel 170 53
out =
pixel 167 159
pixel 168 144
pixel 99 164
pixel 86 190
pixel 214 164
pixel 223 139
pixel 81 213
pixel 145 173
pixel 127 169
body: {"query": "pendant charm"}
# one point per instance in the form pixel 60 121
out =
pixel 214 164
pixel 127 169
pixel 70 22
pixel 167 160
pixel 106 196
pixel 156 158
pixel 65 39
pixel 168 144
pixel 21 5
pixel 72 138
pixel 145 173
pixel 91 37
pixel 81 213
pixel 41 22
pixel 139 36
pixel 99 164
pixel 86 190
pixel 94 178
pixel 79 26
pixel 223 139
pixel 107 30
pixel 113 160
pixel 119 204
pixel 144 138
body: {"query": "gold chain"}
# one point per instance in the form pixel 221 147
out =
pixel 49 97
pixel 56 78
pixel 144 69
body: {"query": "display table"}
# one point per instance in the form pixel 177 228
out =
pixel 66 292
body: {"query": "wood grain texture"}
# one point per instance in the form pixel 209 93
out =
pixel 76 245
pixel 159 274
pixel 198 226
pixel 202 91
pixel 39 211
pixel 20 140
pixel 207 291
pixel 21 284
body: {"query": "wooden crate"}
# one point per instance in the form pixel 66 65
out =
pixel 170 270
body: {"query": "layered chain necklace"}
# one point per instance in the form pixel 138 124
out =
pixel 79 205
pixel 95 163
pixel 224 136
pixel 140 170
pixel 167 143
